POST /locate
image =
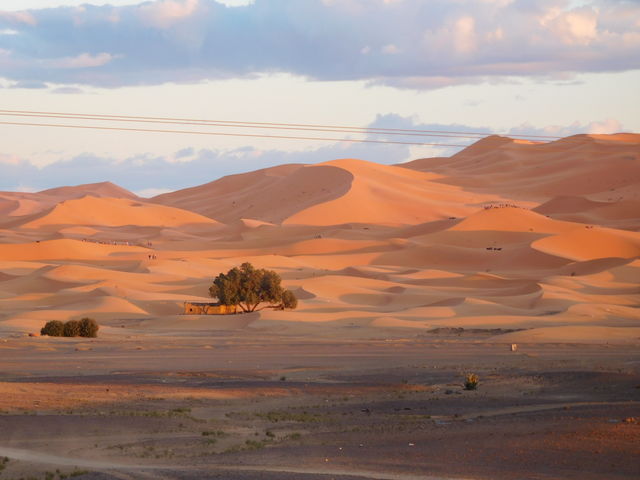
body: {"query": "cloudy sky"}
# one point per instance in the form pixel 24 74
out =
pixel 537 67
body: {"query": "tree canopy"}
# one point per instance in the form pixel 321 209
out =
pixel 248 287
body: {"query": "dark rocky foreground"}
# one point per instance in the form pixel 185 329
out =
pixel 373 410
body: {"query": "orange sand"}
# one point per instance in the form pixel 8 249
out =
pixel 371 250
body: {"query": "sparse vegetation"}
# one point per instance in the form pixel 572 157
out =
pixel 289 300
pixel 3 464
pixel 72 328
pixel 87 327
pixel 53 328
pixel 255 445
pixel 248 287
pixel 471 381
pixel 181 410
pixel 303 417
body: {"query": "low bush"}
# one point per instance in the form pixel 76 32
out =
pixel 88 328
pixel 53 328
pixel 289 300
pixel 72 328
pixel 471 381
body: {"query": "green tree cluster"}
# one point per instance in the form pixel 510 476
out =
pixel 248 287
pixel 87 327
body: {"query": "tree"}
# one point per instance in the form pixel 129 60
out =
pixel 248 287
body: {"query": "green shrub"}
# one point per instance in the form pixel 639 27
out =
pixel 72 328
pixel 254 445
pixel 471 381
pixel 289 300
pixel 53 328
pixel 88 328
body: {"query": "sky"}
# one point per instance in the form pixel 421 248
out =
pixel 533 67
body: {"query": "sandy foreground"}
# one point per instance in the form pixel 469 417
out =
pixel 408 277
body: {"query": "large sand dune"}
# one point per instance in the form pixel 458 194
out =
pixel 505 234
pixel 114 212
pixel 23 203
pixel 599 168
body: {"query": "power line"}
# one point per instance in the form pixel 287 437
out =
pixel 227 134
pixel 294 126
pixel 193 123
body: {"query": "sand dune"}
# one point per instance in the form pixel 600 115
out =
pixel 102 189
pixel 17 204
pixel 511 219
pixel 590 244
pixel 603 167
pixel 114 212
pixel 505 234
pixel 268 195
pixel 618 213
pixel 332 193
pixel 568 204
pixel 381 194
pixel 64 250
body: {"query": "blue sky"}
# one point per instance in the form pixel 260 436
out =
pixel 522 66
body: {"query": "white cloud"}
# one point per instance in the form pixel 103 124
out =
pixel 609 125
pixel 15 18
pixel 464 35
pixel 440 42
pixel 84 60
pixel 25 188
pixel 236 3
pixel 390 49
pixel 6 159
pixel 606 126
pixel 18 5
pixel 578 27
pixel 496 35
pixel 165 13
pixel 151 192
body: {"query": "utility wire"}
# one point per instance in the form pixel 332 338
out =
pixel 211 124
pixel 298 126
pixel 226 134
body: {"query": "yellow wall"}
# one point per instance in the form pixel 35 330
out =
pixel 212 309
